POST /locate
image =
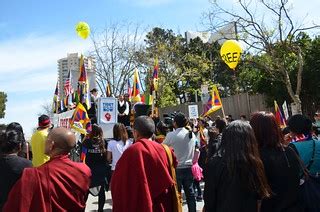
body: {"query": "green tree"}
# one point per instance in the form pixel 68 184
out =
pixel 3 100
pixel 274 38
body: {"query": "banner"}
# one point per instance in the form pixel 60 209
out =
pixel 107 110
pixel 63 119
pixel 193 111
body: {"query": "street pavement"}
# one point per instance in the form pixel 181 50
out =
pixel 92 203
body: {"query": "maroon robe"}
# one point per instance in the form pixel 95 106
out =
pixel 141 181
pixel 58 185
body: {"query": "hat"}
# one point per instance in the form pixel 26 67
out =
pixel 44 121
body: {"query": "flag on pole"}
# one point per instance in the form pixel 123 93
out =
pixel 108 90
pixel 214 102
pixel 80 121
pixel 136 87
pixel 129 90
pixel 83 85
pixel 285 110
pixel 55 105
pixel 279 116
pixel 155 76
pixel 67 85
pixel 148 99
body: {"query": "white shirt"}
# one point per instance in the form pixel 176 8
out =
pixel 183 146
pixel 117 148
pixel 126 111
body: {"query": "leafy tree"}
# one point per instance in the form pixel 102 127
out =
pixel 275 39
pixel 3 100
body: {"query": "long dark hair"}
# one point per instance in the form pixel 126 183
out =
pixel 96 135
pixel 120 133
pixel 11 141
pixel 18 128
pixel 266 129
pixel 239 150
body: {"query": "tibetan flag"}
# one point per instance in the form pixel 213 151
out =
pixel 136 87
pixel 155 76
pixel 83 85
pixel 214 103
pixel 80 120
pixel 279 116
pixel 108 90
pixel 129 90
pixel 83 154
pixel 83 73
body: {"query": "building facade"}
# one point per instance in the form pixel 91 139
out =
pixel 72 63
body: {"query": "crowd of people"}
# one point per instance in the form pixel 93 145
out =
pixel 244 165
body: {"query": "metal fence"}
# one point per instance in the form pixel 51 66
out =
pixel 241 104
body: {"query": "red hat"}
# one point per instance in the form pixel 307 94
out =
pixel 44 121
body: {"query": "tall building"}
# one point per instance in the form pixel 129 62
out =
pixel 72 63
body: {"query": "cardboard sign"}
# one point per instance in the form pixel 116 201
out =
pixel 193 111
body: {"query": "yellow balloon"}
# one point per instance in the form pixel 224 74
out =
pixel 231 53
pixel 83 30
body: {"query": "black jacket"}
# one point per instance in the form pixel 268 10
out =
pixel 224 193
pixel 283 173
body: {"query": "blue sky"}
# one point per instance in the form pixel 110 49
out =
pixel 34 34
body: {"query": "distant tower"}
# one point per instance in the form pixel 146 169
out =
pixel 72 63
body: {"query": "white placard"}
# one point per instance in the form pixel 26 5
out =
pixel 193 111
pixel 63 119
pixel 285 110
pixel 107 110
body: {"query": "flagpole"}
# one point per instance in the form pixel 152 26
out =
pixel 224 115
pixel 152 107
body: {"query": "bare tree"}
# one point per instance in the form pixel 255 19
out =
pixel 115 50
pixel 269 29
pixel 47 109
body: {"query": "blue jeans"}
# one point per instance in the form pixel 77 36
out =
pixel 185 180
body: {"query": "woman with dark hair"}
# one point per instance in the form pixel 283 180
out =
pixel 215 135
pixel 25 148
pixel 96 159
pixel 303 143
pixel 235 178
pixel 281 165
pixel 161 132
pixel 118 145
pixel 11 165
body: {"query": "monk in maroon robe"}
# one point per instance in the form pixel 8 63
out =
pixel 58 185
pixel 141 181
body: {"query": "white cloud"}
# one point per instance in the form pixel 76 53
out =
pixel 32 52
pixel 26 113
pixel 27 83
pixel 28 71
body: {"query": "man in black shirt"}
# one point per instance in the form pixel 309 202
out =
pixel 11 165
